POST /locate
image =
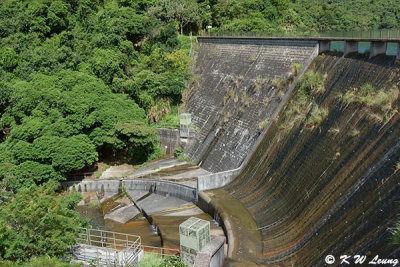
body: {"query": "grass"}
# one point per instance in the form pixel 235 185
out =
pixel 245 99
pixel 379 103
pixel 317 116
pixel 180 155
pixel 170 120
pixel 101 167
pixel 310 86
pixel 94 203
pixel 263 124
pixel 276 82
pixel 150 260
pixel 295 69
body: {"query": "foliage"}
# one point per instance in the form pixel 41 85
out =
pixel 150 260
pixel 42 261
pixel 303 106
pixel 71 70
pixel 172 261
pixel 35 223
pixel 140 140
pixel 378 103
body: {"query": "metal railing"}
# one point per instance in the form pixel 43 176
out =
pixel 161 252
pixel 107 247
pixel 387 34
pixel 108 239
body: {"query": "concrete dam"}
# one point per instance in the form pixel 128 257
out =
pixel 318 138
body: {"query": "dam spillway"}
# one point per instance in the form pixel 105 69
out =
pixel 330 187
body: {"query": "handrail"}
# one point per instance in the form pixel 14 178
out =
pixel 384 34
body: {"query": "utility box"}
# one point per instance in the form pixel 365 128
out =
pixel 185 124
pixel 194 234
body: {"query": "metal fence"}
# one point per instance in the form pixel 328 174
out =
pixel 108 248
pixel 393 34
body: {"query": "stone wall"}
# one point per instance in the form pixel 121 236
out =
pixel 241 84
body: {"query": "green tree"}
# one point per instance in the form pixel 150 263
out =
pixel 36 222
pixel 139 141
pixel 184 12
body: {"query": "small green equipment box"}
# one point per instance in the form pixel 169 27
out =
pixel 194 235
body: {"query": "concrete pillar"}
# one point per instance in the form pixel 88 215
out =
pixel 324 46
pixel 378 48
pixel 350 47
pixel 398 51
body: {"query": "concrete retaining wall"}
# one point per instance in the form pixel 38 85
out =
pixel 217 180
pixel 208 206
pixel 169 140
pixel 109 186
pixel 164 188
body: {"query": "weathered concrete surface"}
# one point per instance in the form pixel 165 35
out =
pixel 378 48
pixel 330 188
pixel 350 47
pixel 156 166
pixel 162 188
pixel 212 255
pixel 124 214
pixel 156 203
pixel 223 178
pixel 119 171
pixel 216 180
pixel 169 140
pixel 241 85
pixel 324 46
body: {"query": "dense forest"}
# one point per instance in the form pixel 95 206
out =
pixel 81 79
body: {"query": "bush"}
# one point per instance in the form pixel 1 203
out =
pixel 36 223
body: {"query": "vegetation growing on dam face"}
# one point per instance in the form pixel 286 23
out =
pixel 303 104
pixel 332 187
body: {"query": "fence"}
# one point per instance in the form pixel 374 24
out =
pixel 108 248
pixel 393 34
pixel 114 249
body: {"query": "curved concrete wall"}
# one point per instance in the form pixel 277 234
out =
pixel 242 83
pixel 162 188
pixel 158 187
pixel 331 188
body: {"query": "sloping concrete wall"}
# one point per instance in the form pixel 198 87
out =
pixel 241 85
pixel 223 178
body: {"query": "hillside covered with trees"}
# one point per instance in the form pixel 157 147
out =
pixel 83 79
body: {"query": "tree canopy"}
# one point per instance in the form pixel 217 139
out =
pixel 34 222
